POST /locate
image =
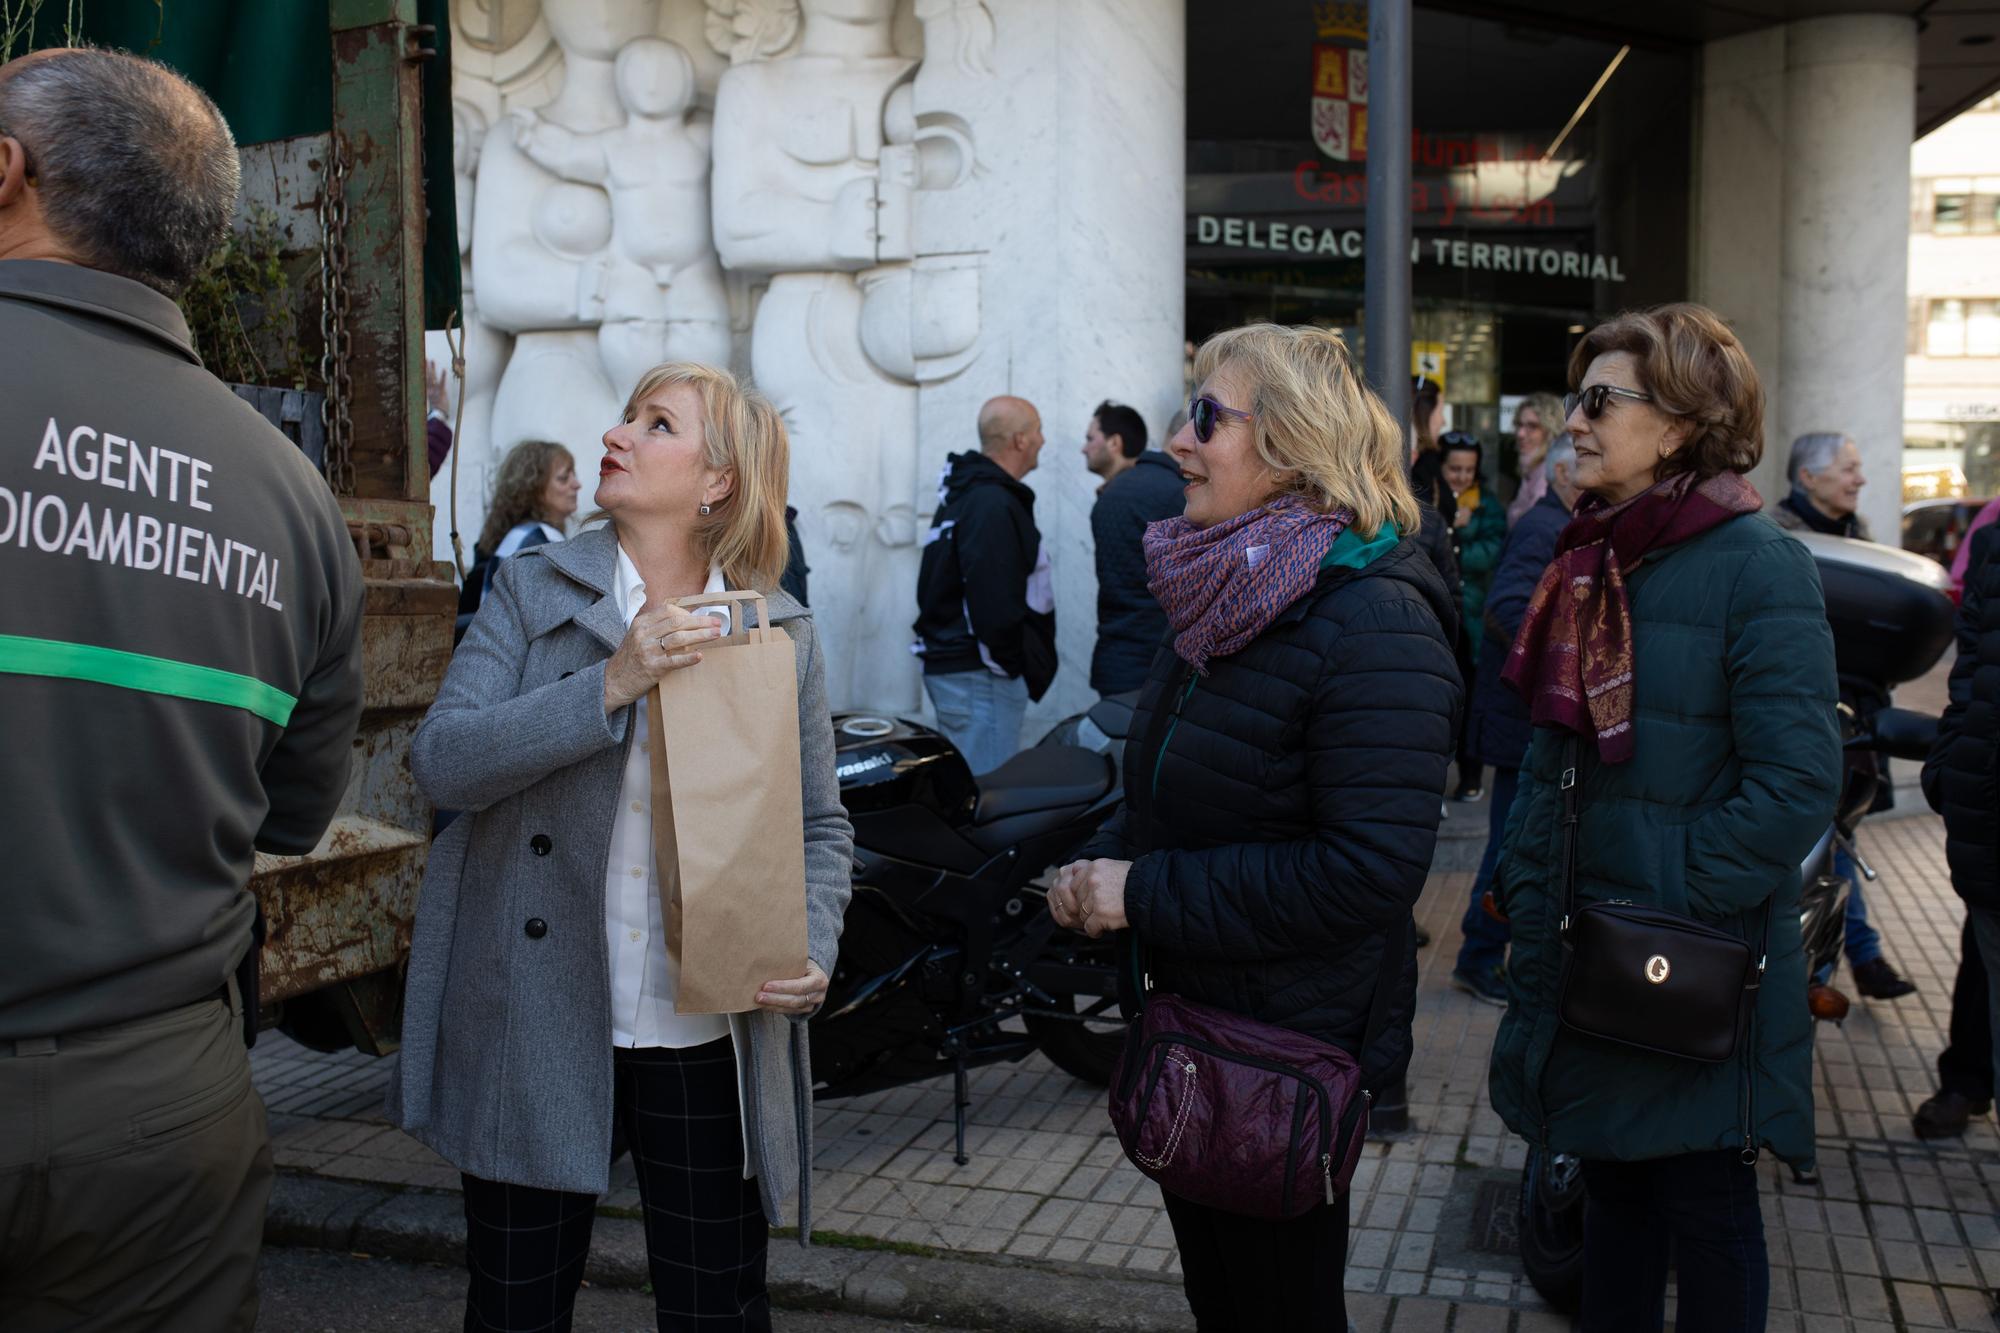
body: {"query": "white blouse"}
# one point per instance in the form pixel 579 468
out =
pixel 643 975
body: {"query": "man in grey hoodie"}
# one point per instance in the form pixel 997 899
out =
pixel 180 678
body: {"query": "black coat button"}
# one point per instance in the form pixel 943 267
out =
pixel 536 928
pixel 540 844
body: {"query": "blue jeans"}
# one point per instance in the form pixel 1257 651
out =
pixel 1861 944
pixel 1702 1205
pixel 981 714
pixel 1485 946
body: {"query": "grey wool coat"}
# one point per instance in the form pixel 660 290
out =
pixel 506 1059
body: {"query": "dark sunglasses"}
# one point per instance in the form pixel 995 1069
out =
pixel 1204 412
pixel 1593 399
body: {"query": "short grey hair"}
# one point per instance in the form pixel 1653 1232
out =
pixel 1813 453
pixel 136 168
pixel 1562 449
pixel 1547 406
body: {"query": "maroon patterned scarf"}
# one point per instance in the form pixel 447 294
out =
pixel 1572 661
pixel 1222 586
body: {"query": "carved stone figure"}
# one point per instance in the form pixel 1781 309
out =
pixel 819 154
pixel 542 257
pixel 486 348
pixel 664 297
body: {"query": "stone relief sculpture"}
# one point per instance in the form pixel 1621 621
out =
pixel 616 221
pixel 591 242
pixel 819 155
pixel 663 291
pixel 486 347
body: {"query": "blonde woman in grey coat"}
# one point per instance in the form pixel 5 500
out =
pixel 539 1006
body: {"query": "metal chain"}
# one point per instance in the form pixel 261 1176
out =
pixel 333 319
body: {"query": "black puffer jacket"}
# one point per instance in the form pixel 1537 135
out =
pixel 1130 624
pixel 1284 820
pixel 1962 776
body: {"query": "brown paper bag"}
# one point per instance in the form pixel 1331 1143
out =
pixel 728 830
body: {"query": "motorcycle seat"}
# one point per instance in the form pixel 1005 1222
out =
pixel 1046 778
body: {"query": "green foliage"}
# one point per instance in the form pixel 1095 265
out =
pixel 243 308
pixel 17 25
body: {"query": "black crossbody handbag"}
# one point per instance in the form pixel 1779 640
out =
pixel 1649 978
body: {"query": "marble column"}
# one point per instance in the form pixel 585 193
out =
pixel 1076 216
pixel 1850 116
pixel 1737 265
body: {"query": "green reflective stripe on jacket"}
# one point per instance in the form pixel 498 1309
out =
pixel 136 671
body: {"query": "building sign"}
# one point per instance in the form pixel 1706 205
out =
pixel 1427 362
pixel 1340 82
pixel 1308 241
pixel 1933 409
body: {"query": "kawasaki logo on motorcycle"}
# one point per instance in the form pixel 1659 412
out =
pixel 855 768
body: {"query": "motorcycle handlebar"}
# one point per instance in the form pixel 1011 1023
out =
pixel 1900 733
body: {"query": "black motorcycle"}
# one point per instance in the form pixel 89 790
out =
pixel 1892 622
pixel 949 958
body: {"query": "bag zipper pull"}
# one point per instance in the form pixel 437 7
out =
pixel 1326 1169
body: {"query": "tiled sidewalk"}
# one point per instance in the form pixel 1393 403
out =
pixel 1899 1234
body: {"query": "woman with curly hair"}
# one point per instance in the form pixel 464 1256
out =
pixel 534 495
pixel 1678 668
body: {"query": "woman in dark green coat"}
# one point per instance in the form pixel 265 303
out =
pixel 1681 639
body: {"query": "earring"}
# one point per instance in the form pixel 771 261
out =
pixel 704 511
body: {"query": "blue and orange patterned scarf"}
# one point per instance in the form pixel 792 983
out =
pixel 1222 586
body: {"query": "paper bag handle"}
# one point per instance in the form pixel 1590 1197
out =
pixel 738 629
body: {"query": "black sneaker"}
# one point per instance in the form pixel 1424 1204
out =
pixel 1488 986
pixel 1879 981
pixel 1945 1115
pixel 1468 794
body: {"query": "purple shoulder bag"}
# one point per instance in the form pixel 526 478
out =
pixel 1247 1117
pixel 1231 1113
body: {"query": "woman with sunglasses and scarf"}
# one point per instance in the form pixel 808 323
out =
pixel 1678 667
pixel 1288 754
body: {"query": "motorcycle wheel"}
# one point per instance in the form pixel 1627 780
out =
pixel 1086 1050
pixel 1551 1228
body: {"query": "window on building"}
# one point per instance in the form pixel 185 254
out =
pixel 1958 327
pixel 1965 205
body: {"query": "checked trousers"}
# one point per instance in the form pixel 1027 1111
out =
pixel 705 1231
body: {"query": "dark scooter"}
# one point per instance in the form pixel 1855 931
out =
pixel 949 958
pixel 1892 621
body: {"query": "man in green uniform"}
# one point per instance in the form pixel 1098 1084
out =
pixel 180 678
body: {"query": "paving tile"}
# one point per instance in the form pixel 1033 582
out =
pixel 1368 1314
pixel 1819 1293
pixel 1051 1218
pixel 1971 1307
pixel 1087 1222
pixel 1481 1319
pixel 1867 1297
pixel 1919 1306
pixel 1856 1254
pixel 1904 1261
pixel 1891 1223
pixel 1952 1265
